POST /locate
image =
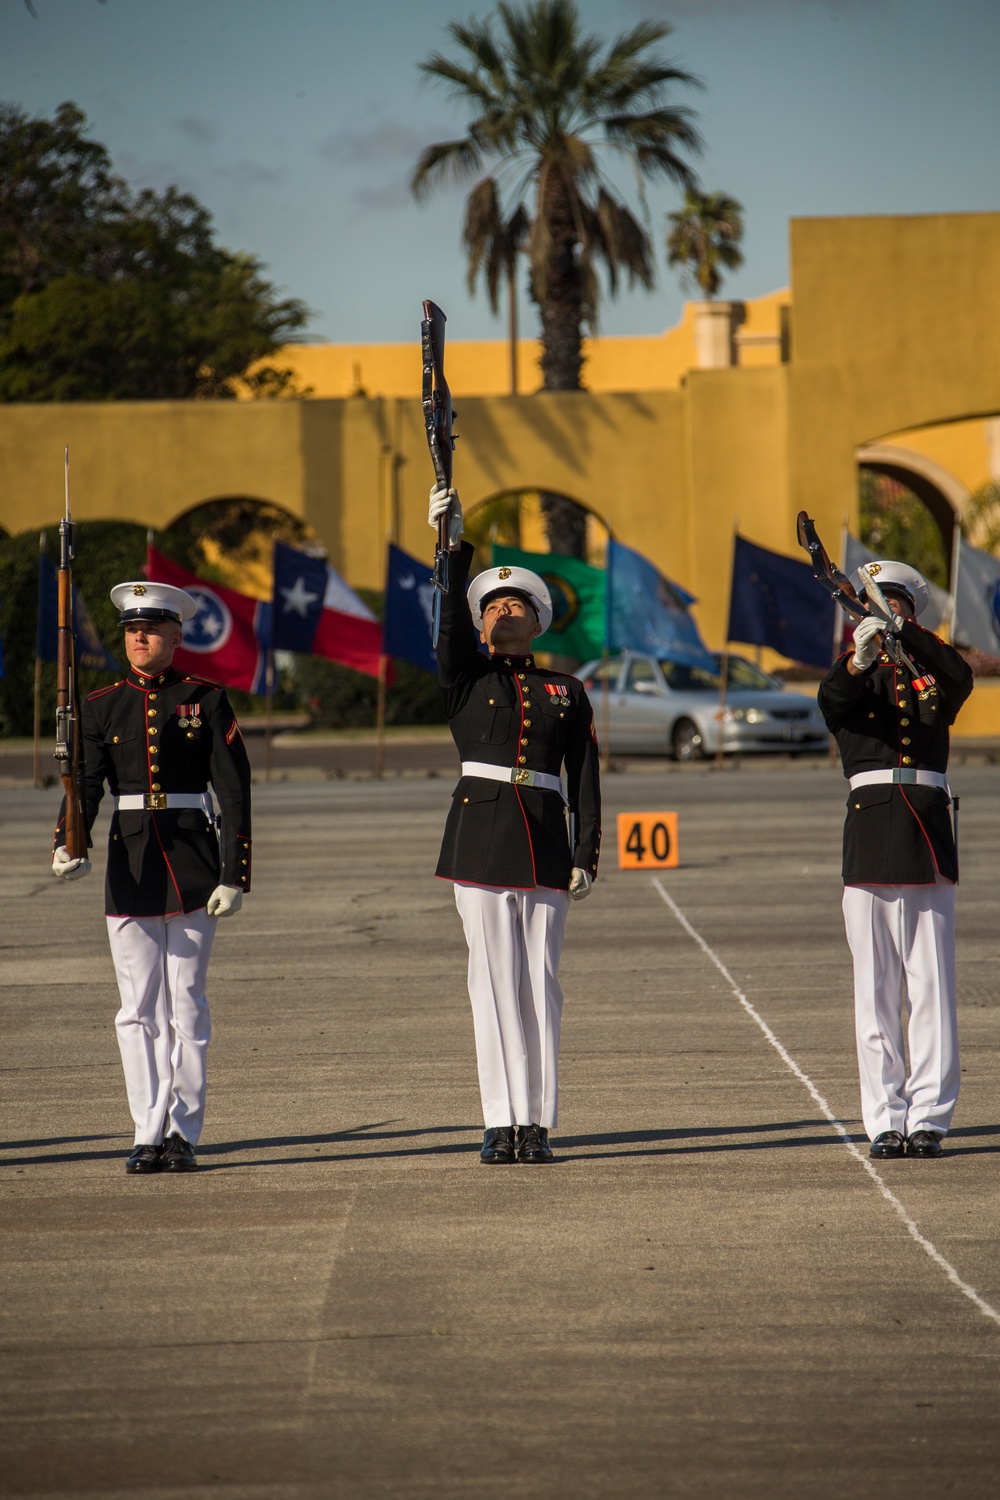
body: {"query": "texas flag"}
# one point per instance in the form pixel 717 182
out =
pixel 316 613
pixel 226 641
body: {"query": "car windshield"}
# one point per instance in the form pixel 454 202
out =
pixel 742 676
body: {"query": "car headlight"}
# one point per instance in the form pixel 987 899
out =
pixel 742 716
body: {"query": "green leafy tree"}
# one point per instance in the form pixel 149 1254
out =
pixel 705 239
pixel 895 523
pixel 981 517
pixel 106 294
pixel 547 102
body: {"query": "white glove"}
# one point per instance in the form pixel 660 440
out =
pixel 443 502
pixel 579 884
pixel 224 900
pixel 66 868
pixel 866 643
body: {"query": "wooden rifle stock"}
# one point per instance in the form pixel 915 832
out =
pixel 67 752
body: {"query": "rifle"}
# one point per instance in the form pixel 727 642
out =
pixel 438 419
pixel 840 587
pixel 67 752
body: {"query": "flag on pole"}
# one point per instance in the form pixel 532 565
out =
pixel 226 641
pixel 976 620
pixel 409 610
pixel 775 601
pixel 317 614
pixel 90 648
pixel 578 600
pixel 647 612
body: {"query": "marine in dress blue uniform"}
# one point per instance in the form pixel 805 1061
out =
pixel 522 836
pixel 157 739
pixel 900 866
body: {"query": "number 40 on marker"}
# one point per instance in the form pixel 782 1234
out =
pixel 647 841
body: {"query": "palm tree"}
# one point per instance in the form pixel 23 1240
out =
pixel 705 237
pixel 493 243
pixel 546 99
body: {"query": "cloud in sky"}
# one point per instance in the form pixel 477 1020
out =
pixel 202 132
pixel 667 9
pixel 387 141
pixel 250 173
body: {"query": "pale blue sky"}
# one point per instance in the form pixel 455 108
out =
pixel 296 122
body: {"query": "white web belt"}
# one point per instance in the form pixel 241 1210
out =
pixel 515 775
pixel 165 802
pixel 901 776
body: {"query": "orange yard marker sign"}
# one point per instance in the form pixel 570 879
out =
pixel 647 841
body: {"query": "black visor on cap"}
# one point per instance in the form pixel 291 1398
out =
pixel 151 616
pixel 505 593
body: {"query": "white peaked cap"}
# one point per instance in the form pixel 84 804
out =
pixel 510 581
pixel 896 575
pixel 155 602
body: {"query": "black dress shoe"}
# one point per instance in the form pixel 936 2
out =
pixel 498 1146
pixel 889 1144
pixel 533 1145
pixel 178 1155
pixel 923 1143
pixel 144 1159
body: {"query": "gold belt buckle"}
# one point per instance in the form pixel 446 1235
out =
pixel 523 778
pixel 155 801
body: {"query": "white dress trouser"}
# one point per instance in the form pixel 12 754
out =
pixel 902 939
pixel 515 939
pixel 163 1026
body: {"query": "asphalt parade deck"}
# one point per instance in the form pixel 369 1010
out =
pixel 708 1295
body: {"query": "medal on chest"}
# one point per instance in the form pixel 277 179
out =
pixel 188 715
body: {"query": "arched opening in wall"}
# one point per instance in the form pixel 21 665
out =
pixel 230 540
pixel 537 521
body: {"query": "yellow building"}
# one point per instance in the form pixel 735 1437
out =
pixel 882 352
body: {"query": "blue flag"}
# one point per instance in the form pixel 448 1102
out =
pixel 409 610
pixel 776 602
pixel 646 612
pixel 90 649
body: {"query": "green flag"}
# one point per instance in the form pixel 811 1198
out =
pixel 578 600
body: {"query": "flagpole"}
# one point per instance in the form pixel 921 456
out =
pixel 268 711
pixel 956 554
pixel 724 663
pixel 37 717
pixel 383 662
pixel 605 658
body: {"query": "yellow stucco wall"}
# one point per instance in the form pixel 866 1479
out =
pixel 893 328
pixel 656 362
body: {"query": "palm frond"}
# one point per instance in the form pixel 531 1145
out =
pixel 454 161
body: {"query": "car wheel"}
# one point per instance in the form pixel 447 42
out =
pixel 686 741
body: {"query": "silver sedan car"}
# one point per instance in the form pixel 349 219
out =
pixel 659 707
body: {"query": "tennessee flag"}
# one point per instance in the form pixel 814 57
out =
pixel 227 639
pixel 315 612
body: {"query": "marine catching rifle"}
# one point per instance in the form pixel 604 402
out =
pixel 840 587
pixel 438 420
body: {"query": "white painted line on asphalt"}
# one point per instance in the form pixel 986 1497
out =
pixel 803 1077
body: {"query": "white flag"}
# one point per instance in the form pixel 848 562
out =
pixel 939 606
pixel 977 600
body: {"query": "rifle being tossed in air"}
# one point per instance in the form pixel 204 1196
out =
pixel 438 419
pixel 840 587
pixel 67 751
